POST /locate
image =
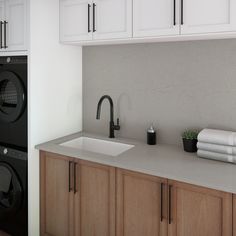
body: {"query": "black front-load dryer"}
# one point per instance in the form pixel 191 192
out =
pixel 13 102
pixel 13 192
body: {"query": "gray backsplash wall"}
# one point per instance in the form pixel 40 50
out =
pixel 174 85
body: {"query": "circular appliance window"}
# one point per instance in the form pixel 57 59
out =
pixel 10 191
pixel 12 97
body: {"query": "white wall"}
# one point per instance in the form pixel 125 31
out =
pixel 55 91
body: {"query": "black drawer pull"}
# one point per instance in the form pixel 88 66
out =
pixel 162 186
pixel 170 204
pixel 5 34
pixel 1 36
pixel 70 188
pixel 75 178
pixel 174 12
pixel 94 16
pixel 89 7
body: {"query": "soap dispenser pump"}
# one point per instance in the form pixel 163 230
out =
pixel 151 136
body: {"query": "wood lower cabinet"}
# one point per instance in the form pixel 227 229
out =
pixel 198 211
pixel 141 205
pixel 80 198
pixel 77 197
pixel 94 202
pixel 56 200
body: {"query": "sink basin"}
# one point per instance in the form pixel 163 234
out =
pixel 98 146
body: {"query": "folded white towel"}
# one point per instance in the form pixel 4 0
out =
pixel 217 137
pixel 216 156
pixel 231 150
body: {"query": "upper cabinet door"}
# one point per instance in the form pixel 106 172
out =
pixel 75 20
pixel 206 16
pixel 112 19
pixel 155 18
pixel 16 27
pixel 198 211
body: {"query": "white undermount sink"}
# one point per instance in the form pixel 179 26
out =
pixel 98 146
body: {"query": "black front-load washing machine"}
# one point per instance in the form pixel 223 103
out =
pixel 13 146
pixel 13 102
pixel 13 192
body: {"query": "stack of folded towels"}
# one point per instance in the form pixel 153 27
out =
pixel 217 144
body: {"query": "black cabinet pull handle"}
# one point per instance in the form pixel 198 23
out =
pixel 5 34
pixel 174 12
pixel 89 7
pixel 70 188
pixel 94 15
pixel 75 177
pixel 162 186
pixel 170 204
pixel 1 36
pixel 182 12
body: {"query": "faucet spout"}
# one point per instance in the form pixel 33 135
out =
pixel 113 127
pixel 100 105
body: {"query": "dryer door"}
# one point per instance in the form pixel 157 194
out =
pixel 11 193
pixel 12 97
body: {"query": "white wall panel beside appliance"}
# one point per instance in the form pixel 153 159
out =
pixel 155 18
pixel 207 16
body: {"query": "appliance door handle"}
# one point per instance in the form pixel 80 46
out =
pixel 89 9
pixel 161 201
pixel 182 12
pixel 5 34
pixel 70 188
pixel 75 178
pixel 1 36
pixel 170 204
pixel 174 15
pixel 94 17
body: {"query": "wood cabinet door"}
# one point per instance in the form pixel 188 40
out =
pixel 155 18
pixel 56 200
pixel 198 211
pixel 234 215
pixel 206 16
pixel 94 203
pixel 75 20
pixel 141 205
pixel 113 19
pixel 16 29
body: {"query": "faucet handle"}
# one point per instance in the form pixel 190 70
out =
pixel 117 126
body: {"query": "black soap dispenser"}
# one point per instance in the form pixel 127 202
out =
pixel 151 136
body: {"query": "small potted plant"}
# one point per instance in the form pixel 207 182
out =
pixel 190 140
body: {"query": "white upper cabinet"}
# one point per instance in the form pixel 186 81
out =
pixel 207 16
pixel 112 19
pixel 155 18
pixel 15 28
pixel 102 19
pixel 95 21
pixel 13 25
pixel 75 24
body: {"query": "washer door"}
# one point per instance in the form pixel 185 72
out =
pixel 11 193
pixel 12 97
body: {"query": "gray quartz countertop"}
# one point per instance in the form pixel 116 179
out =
pixel 165 161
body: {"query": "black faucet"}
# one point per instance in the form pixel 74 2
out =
pixel 113 127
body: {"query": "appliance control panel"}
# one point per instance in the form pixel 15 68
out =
pixel 13 153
